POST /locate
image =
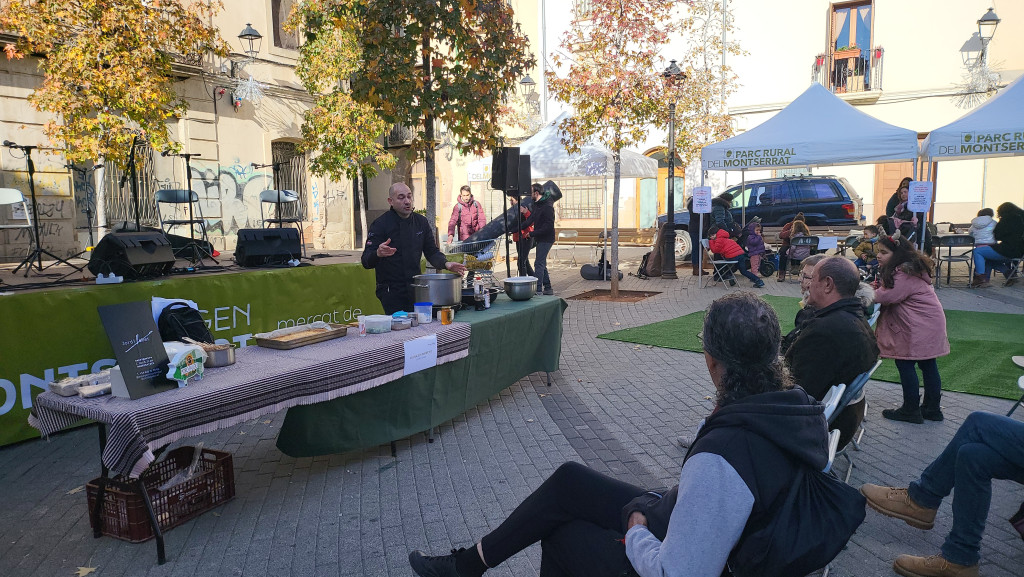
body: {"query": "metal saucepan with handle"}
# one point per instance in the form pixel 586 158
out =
pixel 442 289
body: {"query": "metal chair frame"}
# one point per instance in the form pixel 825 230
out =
pixel 722 267
pixel 574 235
pixel 11 197
pixel 949 242
pixel 279 198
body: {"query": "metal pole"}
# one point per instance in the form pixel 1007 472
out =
pixel 700 238
pixel 743 201
pixel 668 256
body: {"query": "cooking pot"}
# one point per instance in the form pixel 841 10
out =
pixel 521 288
pixel 442 289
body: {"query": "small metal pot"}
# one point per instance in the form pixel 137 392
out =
pixel 220 357
pixel 521 288
pixel 443 289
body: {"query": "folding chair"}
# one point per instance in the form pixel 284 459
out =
pixel 722 267
pixel 849 243
pixel 873 319
pixel 566 235
pixel 13 197
pixel 284 201
pixel 811 241
pixel 1020 383
pixel 1015 271
pixel 831 401
pixel 949 242
pixel 191 216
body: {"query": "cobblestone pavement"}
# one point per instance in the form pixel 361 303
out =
pixel 614 406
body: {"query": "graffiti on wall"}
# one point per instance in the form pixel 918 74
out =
pixel 230 196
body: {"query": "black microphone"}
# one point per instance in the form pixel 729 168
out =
pixel 9 144
pixel 97 166
pixel 165 153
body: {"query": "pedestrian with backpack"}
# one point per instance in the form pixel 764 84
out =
pixel 467 216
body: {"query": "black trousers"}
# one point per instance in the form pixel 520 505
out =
pixel 395 298
pixel 523 247
pixel 576 514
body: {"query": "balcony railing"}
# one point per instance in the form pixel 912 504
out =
pixel 849 71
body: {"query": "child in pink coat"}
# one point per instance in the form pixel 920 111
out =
pixel 911 327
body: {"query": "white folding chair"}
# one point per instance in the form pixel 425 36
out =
pixel 831 400
pixel 1020 383
pixel 13 197
pixel 833 444
pixel 874 315
pixel 566 235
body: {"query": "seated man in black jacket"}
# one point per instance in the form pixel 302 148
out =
pixel 836 344
pixel 394 244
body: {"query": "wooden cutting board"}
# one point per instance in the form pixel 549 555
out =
pixel 303 338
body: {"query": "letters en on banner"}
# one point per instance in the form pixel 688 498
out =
pixel 1008 142
pixel 753 158
pixel 58 333
pixel 919 196
pixel 702 200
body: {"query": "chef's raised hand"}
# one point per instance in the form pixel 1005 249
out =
pixel 455 267
pixel 383 249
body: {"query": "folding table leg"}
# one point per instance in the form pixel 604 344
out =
pixel 154 522
pixel 549 378
pixel 97 508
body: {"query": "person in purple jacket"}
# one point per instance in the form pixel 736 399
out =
pixel 755 244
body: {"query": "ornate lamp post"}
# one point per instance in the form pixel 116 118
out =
pixel 673 75
pixel 986 30
pixel 251 41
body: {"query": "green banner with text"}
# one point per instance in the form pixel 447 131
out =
pixel 50 335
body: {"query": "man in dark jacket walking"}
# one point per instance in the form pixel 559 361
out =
pixel 836 344
pixel 542 219
pixel 393 247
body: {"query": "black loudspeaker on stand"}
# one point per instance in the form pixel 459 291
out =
pixel 267 246
pixel 133 255
pixel 505 169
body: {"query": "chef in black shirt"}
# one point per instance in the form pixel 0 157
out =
pixel 393 248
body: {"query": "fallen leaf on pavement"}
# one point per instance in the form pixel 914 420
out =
pixel 78 489
pixel 83 571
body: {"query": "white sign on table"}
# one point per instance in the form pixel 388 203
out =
pixel 702 200
pixel 919 198
pixel 827 242
pixel 420 353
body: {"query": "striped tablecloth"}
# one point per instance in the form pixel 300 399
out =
pixel 262 381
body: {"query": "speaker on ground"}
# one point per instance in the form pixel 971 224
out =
pixel 267 246
pixel 133 255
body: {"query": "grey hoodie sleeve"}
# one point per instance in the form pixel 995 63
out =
pixel 707 521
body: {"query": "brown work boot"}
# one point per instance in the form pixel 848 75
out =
pixel 696 269
pixel 980 281
pixel 934 566
pixel 895 502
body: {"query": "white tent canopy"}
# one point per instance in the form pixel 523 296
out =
pixel 548 158
pixel 816 129
pixel 995 128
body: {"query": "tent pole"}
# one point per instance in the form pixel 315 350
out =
pixel 604 239
pixel 700 238
pixel 743 206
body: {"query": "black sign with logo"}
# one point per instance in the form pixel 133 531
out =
pixel 138 348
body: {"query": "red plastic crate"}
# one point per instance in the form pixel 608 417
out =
pixel 124 511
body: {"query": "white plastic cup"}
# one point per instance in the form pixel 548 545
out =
pixel 362 325
pixel 425 312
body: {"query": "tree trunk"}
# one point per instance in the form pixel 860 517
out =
pixel 615 224
pixel 362 209
pixel 428 132
pixel 99 190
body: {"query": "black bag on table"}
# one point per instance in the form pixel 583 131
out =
pixel 178 320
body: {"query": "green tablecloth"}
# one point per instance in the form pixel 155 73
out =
pixel 509 341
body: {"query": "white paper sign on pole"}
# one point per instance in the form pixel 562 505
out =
pixel 919 198
pixel 702 200
pixel 420 354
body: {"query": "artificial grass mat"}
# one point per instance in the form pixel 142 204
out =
pixel 981 345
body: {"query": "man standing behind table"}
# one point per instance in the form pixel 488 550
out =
pixel 393 248
pixel 467 216
pixel 836 344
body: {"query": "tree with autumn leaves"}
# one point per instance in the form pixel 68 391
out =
pixel 420 64
pixel 609 70
pixel 107 67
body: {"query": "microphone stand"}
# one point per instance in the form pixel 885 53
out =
pixel 277 188
pixel 37 253
pixel 200 252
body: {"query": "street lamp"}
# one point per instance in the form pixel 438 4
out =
pixel 251 41
pixel 673 76
pixel 986 30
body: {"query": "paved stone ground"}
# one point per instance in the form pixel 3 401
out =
pixel 614 406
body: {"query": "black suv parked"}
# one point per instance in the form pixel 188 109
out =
pixel 824 200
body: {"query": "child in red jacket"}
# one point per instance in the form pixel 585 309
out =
pixel 720 244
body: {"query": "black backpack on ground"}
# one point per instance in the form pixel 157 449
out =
pixel 178 320
pixel 642 271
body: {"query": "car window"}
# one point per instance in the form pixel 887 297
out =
pixel 817 191
pixel 773 194
pixel 739 199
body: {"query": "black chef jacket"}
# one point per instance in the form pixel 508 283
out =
pixel 411 237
